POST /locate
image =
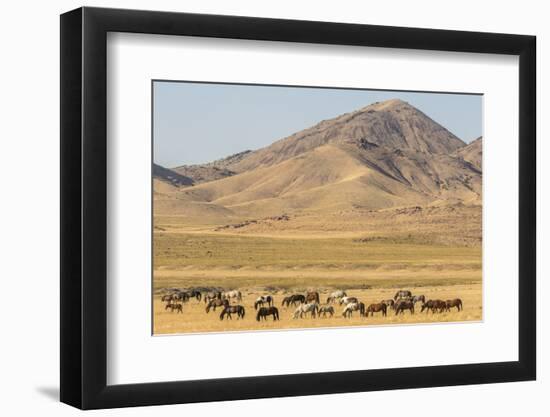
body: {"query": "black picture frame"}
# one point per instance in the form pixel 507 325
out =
pixel 84 207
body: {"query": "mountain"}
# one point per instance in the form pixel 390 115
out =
pixel 385 155
pixel 213 170
pixel 170 177
pixel 393 124
pixel 472 153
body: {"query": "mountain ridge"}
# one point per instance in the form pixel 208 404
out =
pixel 384 155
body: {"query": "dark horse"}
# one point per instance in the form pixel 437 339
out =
pixel 194 293
pixel 228 310
pixel 375 308
pixel 401 306
pixel 263 312
pixel 215 303
pixel 402 294
pixel 174 306
pixel 293 299
pixel 457 302
pixel 434 305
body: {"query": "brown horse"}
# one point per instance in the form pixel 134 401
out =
pixel 293 299
pixel 457 302
pixel 263 312
pixel 401 306
pixel 375 308
pixel 174 306
pixel 433 306
pixel 312 297
pixel 215 303
pixel 228 310
pixel 167 298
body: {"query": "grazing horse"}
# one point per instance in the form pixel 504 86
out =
pixel 175 306
pixel 306 308
pixel 402 294
pixel 415 299
pixel 228 310
pixel 389 303
pixel 286 301
pixel 216 302
pixel 457 302
pixel 354 306
pixel 336 295
pixel 263 299
pixel 312 297
pixel 346 300
pixel 236 294
pixel 375 308
pixel 263 312
pixel 401 306
pixel 434 305
pixel 212 295
pixel 294 299
pixel 181 296
pixel 326 309
pixel 194 293
pixel 167 297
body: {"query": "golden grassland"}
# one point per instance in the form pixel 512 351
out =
pixel 280 264
pixel 195 319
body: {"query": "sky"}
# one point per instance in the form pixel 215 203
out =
pixel 195 123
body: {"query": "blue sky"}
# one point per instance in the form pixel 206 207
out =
pixel 196 123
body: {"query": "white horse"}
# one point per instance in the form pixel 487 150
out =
pixel 232 294
pixel 264 299
pixel 336 295
pixel 347 300
pixel 306 308
pixel 326 309
pixel 351 307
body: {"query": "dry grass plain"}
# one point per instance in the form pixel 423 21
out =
pixel 261 262
pixel 195 319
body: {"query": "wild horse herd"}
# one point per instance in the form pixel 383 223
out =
pixel 304 305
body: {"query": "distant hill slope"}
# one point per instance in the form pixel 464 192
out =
pixel 472 153
pixel 170 177
pixel 385 155
pixel 213 170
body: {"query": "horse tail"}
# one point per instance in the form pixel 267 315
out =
pixel 198 296
pixel 242 311
pixel 258 316
pixel 276 311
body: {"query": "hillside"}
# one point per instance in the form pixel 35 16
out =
pixel 385 155
pixel 472 153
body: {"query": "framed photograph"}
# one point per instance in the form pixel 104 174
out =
pixel 257 208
